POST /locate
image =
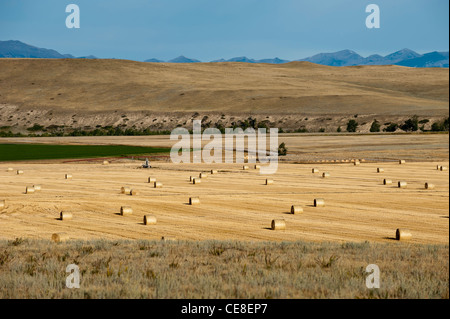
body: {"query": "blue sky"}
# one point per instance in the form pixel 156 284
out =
pixel 213 29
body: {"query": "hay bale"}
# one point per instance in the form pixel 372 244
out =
pixel 126 210
pixel 387 181
pixel 37 188
pixel 403 234
pixel 105 162
pixel 149 220
pixel 319 202
pixel 203 175
pixel 356 163
pixel 151 179
pixel 65 216
pixel 429 186
pixel 402 184
pixel 269 181
pixel 315 170
pixel 29 190
pixel 278 224
pixel 296 209
pixel 438 167
pixel 402 162
pixel 325 175
pixel 157 185
pixel 60 237
pixel 245 167
pixel 443 168
pixel 213 171
pixel 19 172
pixel 2 203
pixel 134 192
pixel 168 238
pixel 10 169
pixel 257 166
pixel 68 176
pixel 194 201
pixel 196 181
pixel 380 170
pixel 125 190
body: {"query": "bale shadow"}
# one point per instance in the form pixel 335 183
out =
pixel 390 238
pixel 269 228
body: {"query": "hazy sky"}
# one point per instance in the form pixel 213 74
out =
pixel 213 29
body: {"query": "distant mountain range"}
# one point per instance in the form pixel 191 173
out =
pixel 405 57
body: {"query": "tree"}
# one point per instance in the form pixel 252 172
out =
pixel 411 124
pixel 339 130
pixel 391 127
pixel 352 125
pixel 282 150
pixel 375 126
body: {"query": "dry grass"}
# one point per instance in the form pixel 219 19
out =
pixel 221 269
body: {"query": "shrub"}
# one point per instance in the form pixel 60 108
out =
pixel 282 150
pixel 375 126
pixel 411 124
pixel 352 125
pixel 391 127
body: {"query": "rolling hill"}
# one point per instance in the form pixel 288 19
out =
pixel 86 93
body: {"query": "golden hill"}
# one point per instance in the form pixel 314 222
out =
pixel 83 88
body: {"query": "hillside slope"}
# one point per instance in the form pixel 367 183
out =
pixel 57 88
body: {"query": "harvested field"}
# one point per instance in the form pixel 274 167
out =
pixel 236 204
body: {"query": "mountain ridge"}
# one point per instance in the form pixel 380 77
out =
pixel 403 57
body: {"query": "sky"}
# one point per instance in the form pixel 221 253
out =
pixel 213 29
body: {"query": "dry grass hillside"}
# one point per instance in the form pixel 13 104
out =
pixel 83 93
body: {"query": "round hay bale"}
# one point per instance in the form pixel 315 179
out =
pixel 37 188
pixel 380 170
pixel 325 175
pixel 65 216
pixel 438 167
pixel 10 169
pixel 315 170
pixel 296 209
pixel 29 190
pixel 60 237
pixel 356 163
pixel 68 176
pixel 257 166
pixel 134 192
pixel 403 234
pixel 168 238
pixel 196 181
pixel 319 202
pixel 157 185
pixel 149 220
pixel 152 179
pixel 203 175
pixel 387 181
pixel 429 186
pixel 269 181
pixel 402 162
pixel 105 162
pixel 2 203
pixel 402 184
pixel 213 171
pixel 126 210
pixel 443 168
pixel 194 201
pixel 278 224
pixel 125 190
pixel 245 167
pixel 19 172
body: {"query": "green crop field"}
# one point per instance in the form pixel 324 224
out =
pixel 16 152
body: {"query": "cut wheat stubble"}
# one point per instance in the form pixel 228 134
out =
pixel 2 204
